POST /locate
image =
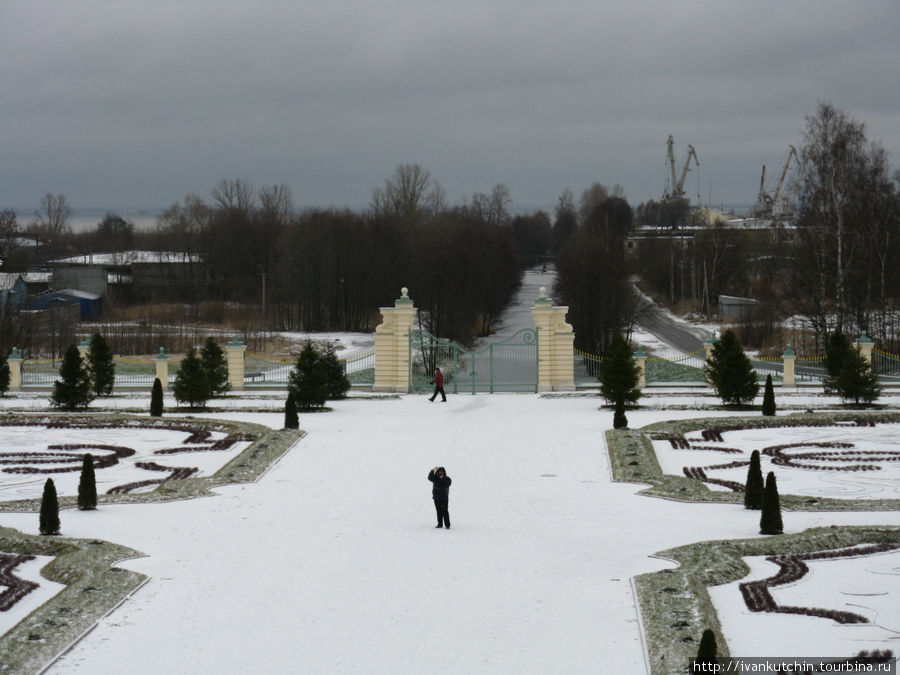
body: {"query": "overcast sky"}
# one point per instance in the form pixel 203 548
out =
pixel 135 104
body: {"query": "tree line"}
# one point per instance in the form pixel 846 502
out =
pixel 836 268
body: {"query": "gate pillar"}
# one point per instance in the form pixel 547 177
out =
pixel 162 368
pixel 392 345
pixel 14 361
pixel 865 345
pixel 789 358
pixel 556 345
pixel 234 358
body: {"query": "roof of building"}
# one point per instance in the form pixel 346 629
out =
pixel 75 293
pixel 8 280
pixel 121 258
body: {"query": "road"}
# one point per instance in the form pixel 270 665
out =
pixel 656 320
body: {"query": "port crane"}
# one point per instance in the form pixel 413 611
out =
pixel 677 184
pixel 767 203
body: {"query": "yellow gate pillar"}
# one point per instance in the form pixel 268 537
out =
pixel 234 357
pixel 556 345
pixel 84 347
pixel 865 346
pixel 14 360
pixel 789 358
pixel 392 345
pixel 162 368
pixel 640 358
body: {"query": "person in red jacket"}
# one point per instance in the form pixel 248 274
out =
pixel 438 383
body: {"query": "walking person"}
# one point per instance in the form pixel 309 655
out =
pixel 438 383
pixel 440 492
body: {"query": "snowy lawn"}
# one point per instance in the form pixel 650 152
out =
pixel 331 562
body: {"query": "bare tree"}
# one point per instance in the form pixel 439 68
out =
pixel 180 231
pixel 52 219
pixel 844 223
pixel 114 233
pixel 593 277
pixel 234 196
pixel 276 201
pixel 408 195
pixel 591 198
pixel 9 230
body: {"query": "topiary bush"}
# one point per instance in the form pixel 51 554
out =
pixel 49 520
pixel 87 485
pixel 770 520
pixel 156 399
pixel 768 404
pixel 754 488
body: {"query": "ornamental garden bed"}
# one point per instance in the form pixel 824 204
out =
pixel 676 605
pixel 840 461
pixel 180 457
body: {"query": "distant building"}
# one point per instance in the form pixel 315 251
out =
pixel 90 304
pixel 133 276
pixel 13 291
pixel 732 308
pixel 88 278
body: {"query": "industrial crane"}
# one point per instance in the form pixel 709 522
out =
pixel 768 203
pixel 677 185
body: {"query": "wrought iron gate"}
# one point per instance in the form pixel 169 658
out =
pixel 509 365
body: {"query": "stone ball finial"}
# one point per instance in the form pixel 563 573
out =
pixel 542 292
pixel 404 292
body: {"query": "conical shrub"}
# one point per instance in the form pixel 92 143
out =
pixel 49 509
pixel 768 406
pixel 87 485
pixel 156 399
pixel 754 488
pixel 770 520
pixel 290 412
pixel 708 651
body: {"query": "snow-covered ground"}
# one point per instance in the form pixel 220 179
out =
pixel 331 562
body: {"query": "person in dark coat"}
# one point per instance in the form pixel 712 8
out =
pixel 440 492
pixel 438 383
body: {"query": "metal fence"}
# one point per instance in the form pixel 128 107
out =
pixel 768 366
pixel 811 369
pixel 359 369
pixel 508 365
pixel 129 373
pixel 688 368
pixel 587 368
pixel 43 372
pixel 887 366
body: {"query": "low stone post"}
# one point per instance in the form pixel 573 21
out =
pixel 556 345
pixel 162 368
pixel 865 346
pixel 640 358
pixel 392 345
pixel 788 359
pixel 235 359
pixel 15 369
pixel 84 346
pixel 708 346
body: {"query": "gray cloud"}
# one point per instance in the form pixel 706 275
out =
pixel 133 104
